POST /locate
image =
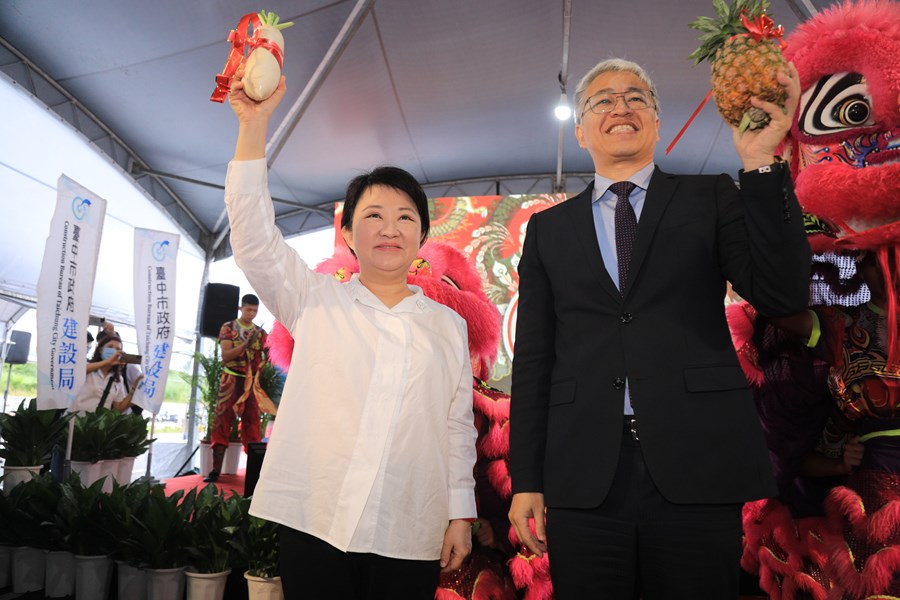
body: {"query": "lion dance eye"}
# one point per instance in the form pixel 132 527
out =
pixel 835 103
pixel 852 113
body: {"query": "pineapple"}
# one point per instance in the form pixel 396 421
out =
pixel 742 65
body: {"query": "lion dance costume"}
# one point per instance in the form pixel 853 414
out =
pixel 446 276
pixel 845 159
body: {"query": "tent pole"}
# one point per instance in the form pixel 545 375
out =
pixel 195 372
pixel 67 464
pixel 8 377
pixel 150 450
pixel 338 45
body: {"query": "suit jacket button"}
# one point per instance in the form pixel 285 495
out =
pixel 625 318
pixel 618 383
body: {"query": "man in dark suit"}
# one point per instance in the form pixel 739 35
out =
pixel 631 421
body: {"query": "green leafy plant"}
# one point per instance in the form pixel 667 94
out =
pixel 107 434
pixel 256 543
pixel 212 367
pixel 29 434
pixel 95 436
pixel 7 535
pixel 213 523
pixel 122 504
pixel 45 495
pixel 88 527
pixel 27 515
pixel 134 441
pixel 159 534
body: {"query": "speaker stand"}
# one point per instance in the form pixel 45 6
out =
pixel 6 392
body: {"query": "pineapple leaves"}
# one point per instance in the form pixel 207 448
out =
pixel 727 23
pixel 721 10
pixel 705 24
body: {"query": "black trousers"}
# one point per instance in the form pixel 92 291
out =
pixel 312 569
pixel 637 544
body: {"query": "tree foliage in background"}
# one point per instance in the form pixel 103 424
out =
pixel 23 384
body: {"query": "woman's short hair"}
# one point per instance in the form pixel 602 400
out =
pixel 392 177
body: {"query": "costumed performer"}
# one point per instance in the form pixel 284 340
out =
pixel 845 145
pixel 240 393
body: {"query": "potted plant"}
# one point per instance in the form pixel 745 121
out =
pixel 23 528
pixel 105 443
pixel 88 528
pixel 121 504
pixel 256 542
pixel 158 536
pixel 29 436
pixel 212 367
pixel 6 540
pixel 96 435
pixel 213 523
pixel 38 514
pixel 132 443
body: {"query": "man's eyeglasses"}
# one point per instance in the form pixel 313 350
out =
pixel 605 102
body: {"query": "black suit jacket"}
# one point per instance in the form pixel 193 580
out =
pixel 578 339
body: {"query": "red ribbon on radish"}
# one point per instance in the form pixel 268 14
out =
pixel 240 41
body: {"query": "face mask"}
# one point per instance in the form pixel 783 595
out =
pixel 108 353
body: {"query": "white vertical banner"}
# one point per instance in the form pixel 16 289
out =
pixel 154 311
pixel 64 291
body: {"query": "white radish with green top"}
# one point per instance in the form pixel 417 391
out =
pixel 262 71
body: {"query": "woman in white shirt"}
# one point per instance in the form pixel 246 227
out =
pixel 369 467
pixel 104 384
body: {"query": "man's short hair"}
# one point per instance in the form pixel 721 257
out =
pixel 605 66
pixel 249 300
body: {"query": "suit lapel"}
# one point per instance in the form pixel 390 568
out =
pixel 582 217
pixel 659 193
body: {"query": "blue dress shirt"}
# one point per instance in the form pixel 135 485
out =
pixel 604 211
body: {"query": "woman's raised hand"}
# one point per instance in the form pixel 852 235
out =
pixel 253 118
pixel 247 109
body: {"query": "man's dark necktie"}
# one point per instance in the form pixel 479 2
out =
pixel 626 229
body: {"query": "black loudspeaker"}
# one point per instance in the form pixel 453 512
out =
pixel 256 452
pixel 220 304
pixel 17 350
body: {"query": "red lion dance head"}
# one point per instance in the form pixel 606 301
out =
pixel 846 135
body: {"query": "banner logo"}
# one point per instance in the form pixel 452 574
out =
pixel 159 250
pixel 80 206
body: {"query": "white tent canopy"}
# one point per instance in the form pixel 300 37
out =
pixel 38 148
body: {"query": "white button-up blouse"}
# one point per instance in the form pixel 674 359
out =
pixel 374 444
